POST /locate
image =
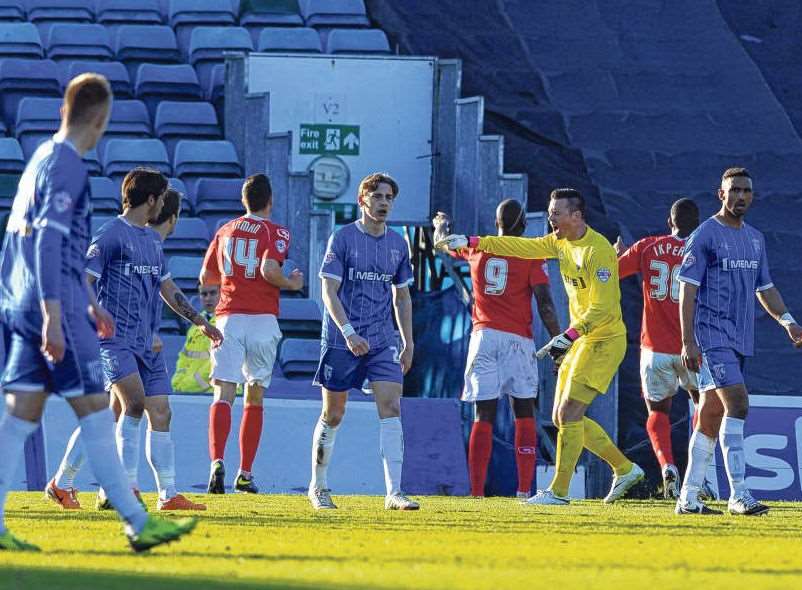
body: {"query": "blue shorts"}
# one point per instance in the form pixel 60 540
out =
pixel 341 370
pixel 120 361
pixel 79 372
pixel 721 367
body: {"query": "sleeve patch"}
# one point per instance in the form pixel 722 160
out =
pixel 281 246
pixel 62 201
pixel 283 233
pixel 604 274
pixel 689 261
pixel 93 252
pixel 330 257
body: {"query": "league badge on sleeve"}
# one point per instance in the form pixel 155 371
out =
pixel 689 261
pixel 62 201
pixel 281 246
pixel 330 257
pixel 604 274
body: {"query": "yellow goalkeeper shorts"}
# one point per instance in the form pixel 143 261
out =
pixel 592 363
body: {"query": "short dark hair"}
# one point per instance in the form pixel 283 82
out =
pixel 735 173
pixel 172 205
pixel 372 181
pixel 84 95
pixel 685 215
pixel 511 217
pixel 257 192
pixel 575 200
pixel 139 184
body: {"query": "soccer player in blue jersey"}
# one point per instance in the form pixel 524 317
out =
pixel 724 266
pixel 365 273
pixel 51 313
pixel 159 448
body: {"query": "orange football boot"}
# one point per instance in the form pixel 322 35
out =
pixel 64 498
pixel 179 502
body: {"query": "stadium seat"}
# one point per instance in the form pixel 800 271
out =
pixel 207 45
pixel 191 237
pixel 220 191
pixel 20 40
pixel 194 159
pixel 182 120
pixel 357 41
pixel 79 42
pixel 215 91
pixel 120 155
pixel 299 318
pixel 186 15
pixel 172 345
pixel 299 357
pixel 114 71
pixel 137 44
pixel 105 195
pixel 12 160
pixel 129 120
pixel 185 271
pixel 186 203
pixel 279 40
pixel 12 10
pixel 92 162
pixel 20 78
pixel 45 14
pixel 155 83
pixel 257 14
pixel 99 221
pixel 37 119
pixel 334 13
pixel 128 12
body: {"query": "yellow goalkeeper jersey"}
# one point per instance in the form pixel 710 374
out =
pixel 589 268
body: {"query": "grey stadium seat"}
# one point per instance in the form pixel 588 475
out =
pixel 368 41
pixel 277 39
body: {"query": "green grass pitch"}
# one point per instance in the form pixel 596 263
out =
pixel 270 542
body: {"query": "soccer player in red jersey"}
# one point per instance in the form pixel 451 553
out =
pixel 658 260
pixel 501 353
pixel 245 259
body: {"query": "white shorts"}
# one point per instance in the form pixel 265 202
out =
pixel 248 351
pixel 662 373
pixel 500 363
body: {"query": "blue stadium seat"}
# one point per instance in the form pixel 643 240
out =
pixel 299 357
pixel 47 13
pixel 12 10
pixel 186 203
pixel 20 40
pixel 357 41
pixel 185 15
pixel 12 160
pixel 92 161
pixel 207 45
pixel 218 198
pixel 105 195
pixel 299 318
pixel 120 155
pixel 37 119
pixel 128 12
pixel 185 271
pixel 181 120
pixel 191 237
pixel 215 91
pixel 195 159
pixel 99 221
pixel 137 44
pixel 129 118
pixel 334 13
pixel 20 78
pixel 280 40
pixel 3 130
pixel 155 83
pixel 257 14
pixel 114 71
pixel 79 42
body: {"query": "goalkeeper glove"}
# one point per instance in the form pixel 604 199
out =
pixel 457 241
pixel 559 346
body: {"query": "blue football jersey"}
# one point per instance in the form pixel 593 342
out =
pixel 367 268
pixel 128 263
pixel 53 196
pixel 728 265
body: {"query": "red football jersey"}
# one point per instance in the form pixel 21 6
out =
pixel 502 290
pixel 236 254
pixel 658 259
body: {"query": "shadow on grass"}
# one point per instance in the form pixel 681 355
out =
pixel 60 579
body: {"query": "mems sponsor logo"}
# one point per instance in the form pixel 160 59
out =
pixel 368 275
pixel 739 264
pixel 142 269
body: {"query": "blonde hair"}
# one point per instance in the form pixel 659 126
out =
pixel 84 95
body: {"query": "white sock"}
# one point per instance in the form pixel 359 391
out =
pixel 127 435
pixel 97 431
pixel 391 437
pixel 700 453
pixel 160 451
pixel 731 437
pixel 13 434
pixel 322 448
pixel 72 462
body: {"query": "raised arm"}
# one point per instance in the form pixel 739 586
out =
pixel 402 302
pixel 519 247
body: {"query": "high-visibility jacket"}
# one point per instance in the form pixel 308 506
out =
pixel 194 362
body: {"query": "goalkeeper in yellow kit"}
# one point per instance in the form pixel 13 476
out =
pixel 589 351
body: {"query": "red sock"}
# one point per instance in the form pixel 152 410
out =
pixel 219 427
pixel 250 431
pixel 694 417
pixel 658 426
pixel 525 452
pixel 479 449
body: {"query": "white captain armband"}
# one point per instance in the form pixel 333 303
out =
pixel 786 320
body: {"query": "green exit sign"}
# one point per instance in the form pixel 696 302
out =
pixel 324 139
